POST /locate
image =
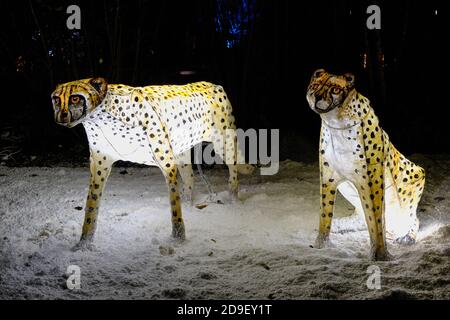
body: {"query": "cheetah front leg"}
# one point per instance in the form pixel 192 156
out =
pixel 187 175
pixel 328 187
pixel 100 167
pixel 164 157
pixel 170 173
pixel 371 190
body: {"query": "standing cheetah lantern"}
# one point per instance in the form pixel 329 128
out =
pixel 154 125
pixel 357 158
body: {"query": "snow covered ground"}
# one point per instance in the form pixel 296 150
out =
pixel 259 248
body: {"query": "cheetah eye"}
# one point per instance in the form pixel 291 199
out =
pixel 75 99
pixel 56 101
pixel 336 90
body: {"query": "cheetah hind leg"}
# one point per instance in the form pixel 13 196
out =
pixel 402 224
pixel 187 175
pixel 225 147
pixel 184 165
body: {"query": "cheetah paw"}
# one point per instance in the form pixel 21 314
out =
pixel 405 240
pixel 381 256
pixel 233 197
pixel 187 198
pixel 178 231
pixel 322 242
pixel 83 245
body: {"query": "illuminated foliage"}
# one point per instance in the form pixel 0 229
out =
pixel 234 18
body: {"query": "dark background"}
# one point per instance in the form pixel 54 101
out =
pixel 263 52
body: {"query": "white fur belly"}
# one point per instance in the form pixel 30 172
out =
pixel 112 137
pixel 186 119
pixel 187 136
pixel 340 151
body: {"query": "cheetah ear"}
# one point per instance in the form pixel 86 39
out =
pixel 318 73
pixel 350 78
pixel 100 85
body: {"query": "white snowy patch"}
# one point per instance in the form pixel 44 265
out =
pixel 259 248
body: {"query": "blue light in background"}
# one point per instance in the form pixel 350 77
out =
pixel 233 19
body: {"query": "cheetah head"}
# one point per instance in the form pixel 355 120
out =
pixel 72 101
pixel 327 91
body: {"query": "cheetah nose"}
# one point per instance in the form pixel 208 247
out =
pixel 64 115
pixel 321 104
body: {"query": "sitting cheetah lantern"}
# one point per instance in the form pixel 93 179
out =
pixel 357 158
pixel 154 125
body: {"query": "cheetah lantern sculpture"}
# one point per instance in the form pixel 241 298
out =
pixel 154 125
pixel 357 158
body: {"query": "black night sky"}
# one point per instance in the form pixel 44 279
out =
pixel 363 223
pixel 263 52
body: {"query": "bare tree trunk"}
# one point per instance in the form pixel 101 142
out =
pixel 368 59
pixel 44 44
pixel 117 43
pixel 73 62
pixel 404 30
pixel 113 32
pixel 245 71
pixel 108 30
pixel 375 64
pixel 380 75
pixel 138 45
pixel 92 72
